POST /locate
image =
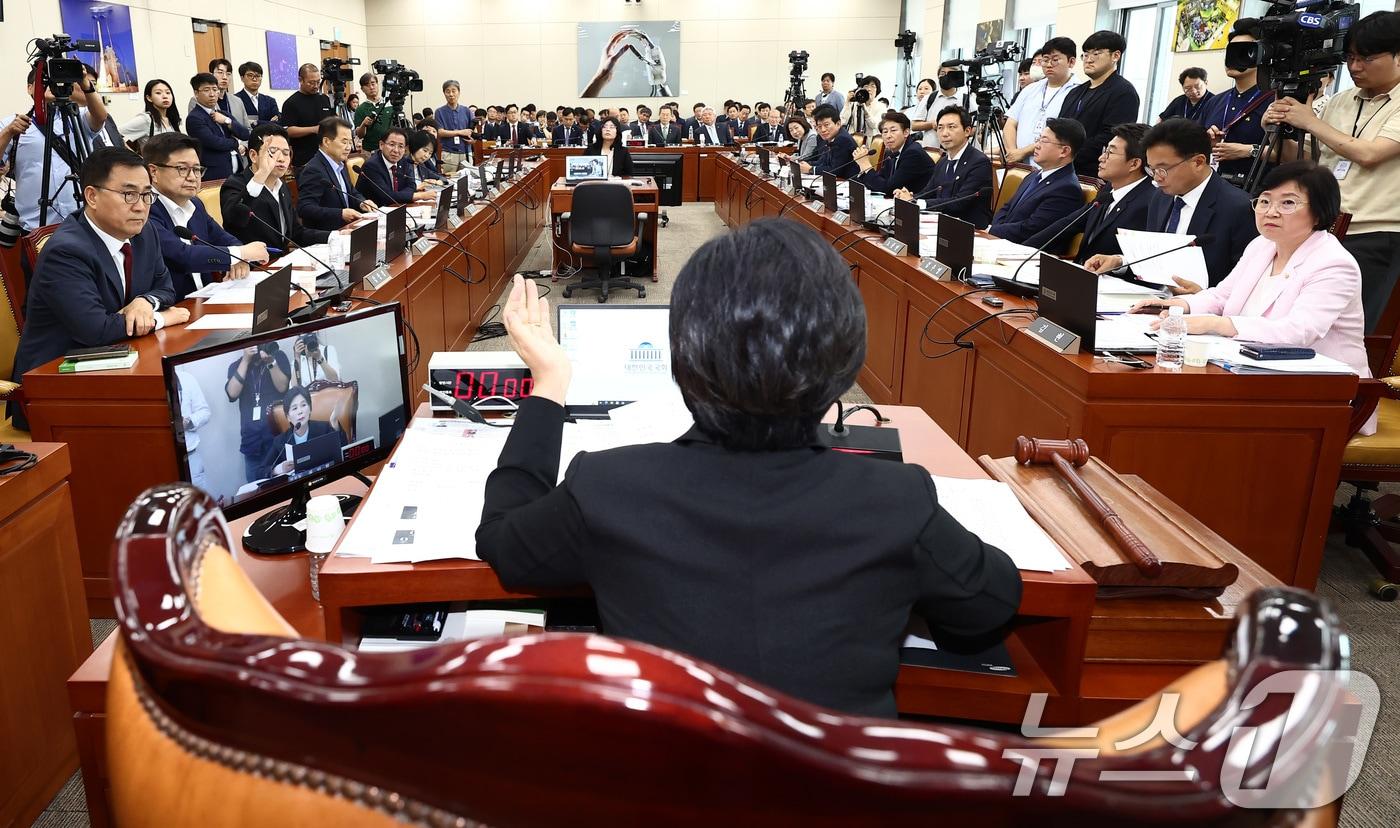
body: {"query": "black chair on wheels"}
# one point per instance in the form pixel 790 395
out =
pixel 602 225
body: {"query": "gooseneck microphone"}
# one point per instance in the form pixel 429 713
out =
pixel 184 233
pixel 1015 277
pixel 938 206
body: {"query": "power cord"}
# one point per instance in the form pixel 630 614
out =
pixel 417 349
pixel 14 460
pixel 488 329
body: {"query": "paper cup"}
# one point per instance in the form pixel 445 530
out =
pixel 324 523
pixel 1197 352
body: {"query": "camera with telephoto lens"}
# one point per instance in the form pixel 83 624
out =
pixel 799 62
pixel 60 72
pixel 398 81
pixel 989 55
pixel 1298 44
pixel 337 70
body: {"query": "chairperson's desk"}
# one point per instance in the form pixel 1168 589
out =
pixel 117 423
pixel 645 200
pixel 1255 458
pixel 697 163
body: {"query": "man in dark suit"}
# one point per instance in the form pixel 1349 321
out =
pixel 665 132
pixel 260 109
pixel 640 128
pixel 905 165
pixel 1122 206
pixel 711 132
pixel 1198 202
pixel 835 146
pixel 568 133
pixel 255 204
pixel 173 162
pixel 383 178
pixel 1048 193
pixel 100 278
pixel 688 124
pixel 1107 100
pixel 961 185
pixel 325 199
pixel 218 134
pixel 772 129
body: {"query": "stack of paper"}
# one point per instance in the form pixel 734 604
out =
pixel 461 625
pixel 1187 262
pixel 1240 364
pixel 302 257
pixel 990 510
pixel 231 291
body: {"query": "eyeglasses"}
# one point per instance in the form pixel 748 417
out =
pixel 1161 172
pixel 184 171
pixel 1369 59
pixel 131 196
pixel 1285 207
pixel 1054 58
pixel 277 152
pixel 1044 140
pixel 1096 53
pixel 1108 152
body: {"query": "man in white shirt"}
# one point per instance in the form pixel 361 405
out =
pixel 194 415
pixel 1040 101
pixel 29 157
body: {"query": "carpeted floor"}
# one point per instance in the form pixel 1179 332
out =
pixel 1374 800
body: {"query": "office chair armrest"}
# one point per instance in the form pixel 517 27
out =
pixel 1368 396
pixel 564 216
pixel 9 390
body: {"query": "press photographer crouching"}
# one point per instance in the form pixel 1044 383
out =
pixel 1359 133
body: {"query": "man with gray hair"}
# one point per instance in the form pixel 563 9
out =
pixel 454 128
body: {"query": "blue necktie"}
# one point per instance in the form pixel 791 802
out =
pixel 1174 217
pixel 1024 192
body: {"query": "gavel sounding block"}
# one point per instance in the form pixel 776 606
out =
pixel 1196 562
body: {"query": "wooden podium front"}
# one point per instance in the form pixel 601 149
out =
pixel 646 198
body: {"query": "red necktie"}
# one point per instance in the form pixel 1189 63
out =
pixel 126 268
pixel 393 179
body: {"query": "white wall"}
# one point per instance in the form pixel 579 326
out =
pixel 525 51
pixel 164 40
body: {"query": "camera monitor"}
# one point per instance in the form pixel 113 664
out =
pixel 274 416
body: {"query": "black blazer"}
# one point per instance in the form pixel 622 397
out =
pixel 320 199
pixel 796 568
pixel 621 158
pixel 235 203
pixel 669 137
pixel 1099 111
pixel 500 131
pixel 1101 226
pixel 973 174
pixel 1224 214
pixel 701 135
pixel 911 170
pixel 1181 107
pixel 215 142
pixel 278 451
pixel 376 184
pixel 184 259
pixel 1033 208
pixel 768 132
pixel 573 137
pixel 77 294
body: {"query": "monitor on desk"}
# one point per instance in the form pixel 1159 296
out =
pixel 1069 297
pixel 395 233
pixel 829 192
pixel 464 193
pixel 906 225
pixel 621 353
pixel 857 195
pixel 796 167
pixel 244 433
pixel 666 169
pixel 586 168
pixel 954 246
pixel 764 162
pixel 364 253
pixel 272 300
pixel 444 206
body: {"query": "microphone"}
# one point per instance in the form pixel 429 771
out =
pixel 1121 271
pixel 286 239
pixel 184 233
pixel 1015 277
pixel 417 225
pixel 442 238
pixel 938 206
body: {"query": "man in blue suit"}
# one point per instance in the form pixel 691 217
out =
pixel 173 161
pixel 835 147
pixel 1049 193
pixel 1193 200
pixel 567 133
pixel 260 109
pixel 100 277
pixel 218 134
pixel 711 132
pixel 384 179
pixel 325 199
pixel 962 180
pixel 905 165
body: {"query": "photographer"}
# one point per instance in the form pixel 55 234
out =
pixel 257 379
pixel 314 360
pixel 22 146
pixel 1360 136
pixel 1235 117
pixel 374 116
pixel 862 113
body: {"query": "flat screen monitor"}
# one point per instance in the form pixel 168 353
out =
pixel 620 353
pixel 272 300
pixel 395 233
pixel 267 444
pixel 829 191
pixel 796 167
pixel 857 193
pixel 1069 297
pixel 464 194
pixel 364 253
pixel 906 225
pixel 485 182
pixel 444 208
pixel 954 246
pixel 586 168
pixel 764 162
pixel 666 169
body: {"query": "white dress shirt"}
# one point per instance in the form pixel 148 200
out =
pixel 181 216
pixel 114 249
pixel 255 189
pixel 1192 199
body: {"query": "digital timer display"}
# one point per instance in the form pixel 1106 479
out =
pixel 510 383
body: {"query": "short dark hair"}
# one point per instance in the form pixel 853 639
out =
pixel 643 109
pixel 760 354
pixel 294 392
pixel 1318 183
pixel 97 169
pixel 217 62
pixel 428 121
pixel 1063 45
pixel 895 118
pixel 1194 72
pixel 1185 136
pixel 1105 39
pixel 871 79
pixel 157 149
pixel 366 78
pixel 330 127
pixel 964 117
pixel 828 76
pixel 262 132
pixel 1069 131
pixel 761 105
pixel 1375 33
pixel 551 115
pixel 419 139
pixel 1025 66
pixel 826 112
pixel 203 79
pixel 1248 26
pixel 696 106
pixel 624 109
pixel 1132 142
pixel 249 66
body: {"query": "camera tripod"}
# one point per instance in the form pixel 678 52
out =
pixel 1276 134
pixel 73 154
pixel 795 95
pixel 987 120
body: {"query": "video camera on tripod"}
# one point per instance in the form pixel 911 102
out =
pixel 398 81
pixel 57 73
pixel 60 72
pixel 338 72
pixel 797 73
pixel 986 91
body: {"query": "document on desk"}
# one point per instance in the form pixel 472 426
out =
pixel 222 322
pixel 230 291
pixel 990 510
pixel 1187 262
pixel 302 257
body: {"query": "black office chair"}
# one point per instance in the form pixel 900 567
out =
pixel 602 225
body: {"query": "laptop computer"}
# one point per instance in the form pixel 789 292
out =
pixel 579 168
pixel 620 353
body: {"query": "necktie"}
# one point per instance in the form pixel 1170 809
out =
pixel 1025 190
pixel 512 134
pixel 1174 217
pixel 345 186
pixel 393 178
pixel 126 269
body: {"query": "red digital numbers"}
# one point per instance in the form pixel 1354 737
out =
pixel 508 384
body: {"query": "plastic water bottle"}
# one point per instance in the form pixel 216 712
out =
pixel 1171 340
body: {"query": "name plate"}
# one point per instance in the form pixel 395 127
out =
pixel 423 245
pixel 377 277
pixel 493 191
pixel 895 246
pixel 473 208
pixel 453 221
pixel 1053 336
pixel 935 268
pixel 841 218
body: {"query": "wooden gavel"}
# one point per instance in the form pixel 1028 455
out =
pixel 1065 455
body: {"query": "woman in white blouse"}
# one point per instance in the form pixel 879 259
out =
pixel 864 119
pixel 159 116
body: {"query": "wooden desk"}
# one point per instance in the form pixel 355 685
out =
pixel 645 199
pixel 1255 458
pixel 44 616
pixel 697 164
pixel 117 423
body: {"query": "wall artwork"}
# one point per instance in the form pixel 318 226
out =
pixel 1203 25
pixel 110 25
pixel 629 60
pixel 282 60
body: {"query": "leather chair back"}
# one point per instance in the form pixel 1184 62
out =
pixel 353 165
pixel 1011 179
pixel 336 403
pixel 1090 188
pixel 1340 226
pixel 209 194
pixel 602 215
pixel 30 246
pixel 218 715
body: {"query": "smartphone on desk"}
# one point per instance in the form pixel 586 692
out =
pixel 100 352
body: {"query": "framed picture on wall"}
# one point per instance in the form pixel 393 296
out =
pixel 1204 25
pixel 110 26
pixel 629 60
pixel 282 60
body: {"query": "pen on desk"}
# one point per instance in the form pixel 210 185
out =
pixel 274 251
